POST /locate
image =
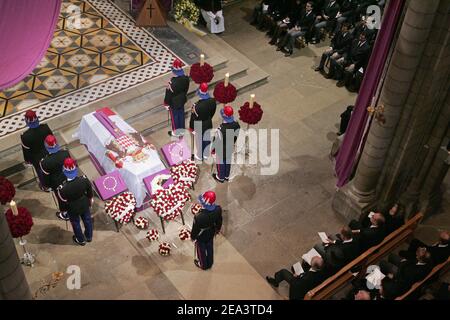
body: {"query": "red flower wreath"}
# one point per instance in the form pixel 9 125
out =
pixel 250 116
pixel 201 74
pixel 21 224
pixel 7 191
pixel 225 94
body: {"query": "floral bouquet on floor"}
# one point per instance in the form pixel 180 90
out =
pixel 169 203
pixel 122 207
pixel 185 173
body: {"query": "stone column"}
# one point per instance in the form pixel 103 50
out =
pixel 360 194
pixel 426 186
pixel 412 149
pixel 13 284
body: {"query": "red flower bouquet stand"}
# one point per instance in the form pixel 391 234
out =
pixel 201 71
pixel 20 223
pixel 225 92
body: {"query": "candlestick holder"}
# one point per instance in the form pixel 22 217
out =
pixel 28 258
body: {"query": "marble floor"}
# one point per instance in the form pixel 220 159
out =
pixel 269 221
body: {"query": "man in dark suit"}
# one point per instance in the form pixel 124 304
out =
pixel 52 170
pixel 347 13
pixel 299 285
pixel 362 27
pixel 288 22
pixel 339 251
pixel 207 223
pixel 395 218
pixel 439 251
pixel 326 19
pixel 299 29
pixel 200 123
pixel 32 139
pixel 407 272
pixel 278 9
pixel 77 193
pixel 370 234
pixel 176 97
pixel 355 58
pixel 340 44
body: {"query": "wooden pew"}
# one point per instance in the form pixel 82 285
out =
pixel 372 256
pixel 439 270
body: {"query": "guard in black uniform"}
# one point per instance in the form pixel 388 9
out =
pixel 207 223
pixel 224 141
pixel 33 142
pixel 52 171
pixel 77 193
pixel 175 97
pixel 201 121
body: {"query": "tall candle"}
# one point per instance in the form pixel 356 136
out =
pixel 252 100
pixel 227 79
pixel 202 60
pixel 14 208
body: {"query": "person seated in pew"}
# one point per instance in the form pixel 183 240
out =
pixel 395 218
pixel 276 12
pixel 386 291
pixel 326 19
pixel 362 295
pixel 287 23
pixel 370 232
pixel 347 13
pixel 340 44
pixel 362 26
pixel 259 11
pixel 439 251
pixel 300 284
pixel 355 59
pixel 339 250
pixel 407 272
pixel 300 29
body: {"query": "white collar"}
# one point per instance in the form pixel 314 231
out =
pixel 373 226
pixel 443 245
pixel 420 263
pixel 70 179
pixel 347 241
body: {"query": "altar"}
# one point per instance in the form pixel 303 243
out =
pixel 96 134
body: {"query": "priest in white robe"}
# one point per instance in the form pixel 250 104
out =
pixel 212 13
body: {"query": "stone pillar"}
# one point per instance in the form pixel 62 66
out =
pixel 360 193
pixel 426 186
pixel 13 284
pixel 423 122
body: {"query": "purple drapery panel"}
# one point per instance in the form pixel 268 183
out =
pixel 26 29
pixel 355 131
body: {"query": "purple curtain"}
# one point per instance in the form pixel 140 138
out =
pixel 26 29
pixel 355 131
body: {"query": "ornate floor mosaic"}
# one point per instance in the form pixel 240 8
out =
pixel 96 51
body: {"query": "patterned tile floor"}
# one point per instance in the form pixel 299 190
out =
pixel 96 51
